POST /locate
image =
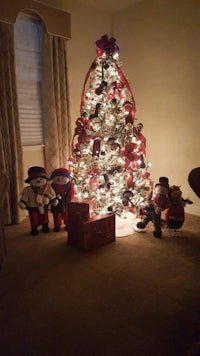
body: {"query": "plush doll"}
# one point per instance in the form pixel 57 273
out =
pixel 157 202
pixel 175 214
pixel 61 183
pixel 36 198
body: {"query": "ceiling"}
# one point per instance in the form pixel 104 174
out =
pixel 110 6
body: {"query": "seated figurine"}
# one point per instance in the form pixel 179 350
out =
pixel 61 183
pixel 36 198
pixel 157 203
pixel 175 214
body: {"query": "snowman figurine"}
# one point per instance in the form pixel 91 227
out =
pixel 61 183
pixel 36 198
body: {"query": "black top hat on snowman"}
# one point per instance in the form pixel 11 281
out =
pixel 35 172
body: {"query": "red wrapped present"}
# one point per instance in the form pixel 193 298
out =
pixel 85 231
pixel 96 232
pixel 78 210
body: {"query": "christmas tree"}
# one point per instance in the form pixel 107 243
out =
pixel 109 149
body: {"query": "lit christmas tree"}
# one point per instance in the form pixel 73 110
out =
pixel 108 154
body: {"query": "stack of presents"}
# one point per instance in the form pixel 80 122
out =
pixel 88 232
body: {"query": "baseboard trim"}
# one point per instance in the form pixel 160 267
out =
pixel 192 209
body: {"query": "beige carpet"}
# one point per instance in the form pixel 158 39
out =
pixel 137 296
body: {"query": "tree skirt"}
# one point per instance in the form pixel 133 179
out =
pixel 126 224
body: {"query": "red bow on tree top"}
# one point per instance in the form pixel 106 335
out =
pixel 107 45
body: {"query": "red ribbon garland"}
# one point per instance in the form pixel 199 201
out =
pixel 125 82
pixel 109 46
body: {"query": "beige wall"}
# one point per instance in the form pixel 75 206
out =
pixel 160 51
pixel 32 156
pixel 159 44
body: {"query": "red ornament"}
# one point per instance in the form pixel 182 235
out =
pixel 145 175
pixel 134 164
pixel 93 182
pixel 99 52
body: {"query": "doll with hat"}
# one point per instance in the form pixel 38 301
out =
pixel 175 213
pixel 61 183
pixel 36 197
pixel 157 202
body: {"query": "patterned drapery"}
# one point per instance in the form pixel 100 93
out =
pixel 10 142
pixel 55 102
pixel 55 114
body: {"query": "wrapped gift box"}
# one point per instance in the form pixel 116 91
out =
pixel 85 231
pixel 96 232
pixel 78 210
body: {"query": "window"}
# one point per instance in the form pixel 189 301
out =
pixel 28 37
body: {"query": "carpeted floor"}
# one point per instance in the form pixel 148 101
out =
pixel 138 296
